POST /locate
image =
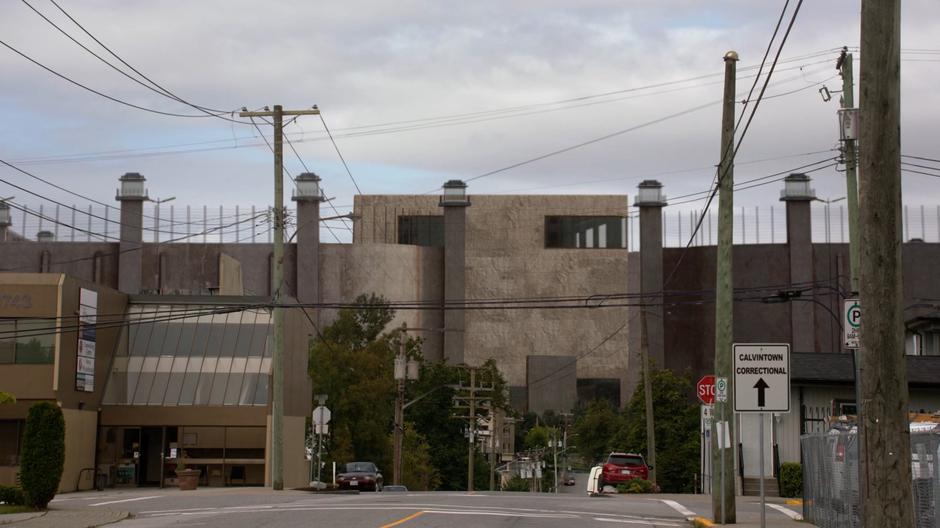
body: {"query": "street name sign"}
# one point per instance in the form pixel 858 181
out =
pixel 852 323
pixel 705 389
pixel 761 377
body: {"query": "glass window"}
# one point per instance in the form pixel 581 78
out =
pixel 421 230
pixel 585 232
pixel 7 341
pixel 216 359
pixel 27 341
pixel 11 433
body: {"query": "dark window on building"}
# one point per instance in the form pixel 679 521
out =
pixel 11 441
pixel 421 230
pixel 27 341
pixel 585 232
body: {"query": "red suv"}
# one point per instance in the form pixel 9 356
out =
pixel 624 467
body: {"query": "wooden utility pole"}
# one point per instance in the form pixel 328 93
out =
pixel 846 67
pixel 887 494
pixel 723 503
pixel 648 395
pixel 400 377
pixel 471 398
pixel 277 287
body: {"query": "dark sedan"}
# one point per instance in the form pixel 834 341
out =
pixel 360 476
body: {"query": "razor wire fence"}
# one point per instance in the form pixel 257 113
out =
pixel 830 479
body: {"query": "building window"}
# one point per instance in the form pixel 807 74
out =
pixel 27 341
pixel 586 232
pixel 421 230
pixel 11 440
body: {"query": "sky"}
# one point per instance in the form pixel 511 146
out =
pixel 418 92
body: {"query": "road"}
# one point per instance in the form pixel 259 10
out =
pixel 252 507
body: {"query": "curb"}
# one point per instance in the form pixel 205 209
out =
pixel 701 522
pixel 26 517
pixel 120 517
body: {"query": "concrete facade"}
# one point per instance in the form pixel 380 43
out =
pixel 505 257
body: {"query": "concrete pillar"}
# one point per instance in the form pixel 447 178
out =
pixel 6 220
pixel 308 197
pixel 455 202
pixel 798 195
pixel 132 195
pixel 650 200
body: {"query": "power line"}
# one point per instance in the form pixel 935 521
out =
pixel 163 91
pixel 92 90
pixel 340 154
pixel 737 146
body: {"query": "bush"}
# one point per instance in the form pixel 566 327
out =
pixel 791 480
pixel 12 495
pixel 516 484
pixel 43 454
pixel 635 486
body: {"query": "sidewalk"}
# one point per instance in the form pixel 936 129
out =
pixel 58 517
pixel 780 513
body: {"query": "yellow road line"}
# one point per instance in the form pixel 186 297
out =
pixel 701 521
pixel 402 521
pixel 795 502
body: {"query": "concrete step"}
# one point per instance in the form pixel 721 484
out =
pixel 751 487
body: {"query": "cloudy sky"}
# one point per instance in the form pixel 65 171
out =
pixel 417 92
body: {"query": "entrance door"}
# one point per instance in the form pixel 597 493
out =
pixel 151 459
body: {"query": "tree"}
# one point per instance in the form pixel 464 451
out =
pixel 351 361
pixel 677 430
pixel 538 437
pixel 418 471
pixel 595 429
pixel 43 454
pixel 6 397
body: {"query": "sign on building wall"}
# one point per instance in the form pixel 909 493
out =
pixel 87 339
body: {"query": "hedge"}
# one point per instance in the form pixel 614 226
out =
pixel 635 486
pixel 43 454
pixel 791 479
pixel 12 495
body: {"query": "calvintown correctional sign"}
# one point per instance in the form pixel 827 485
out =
pixel 761 377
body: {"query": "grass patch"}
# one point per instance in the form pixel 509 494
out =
pixel 9 508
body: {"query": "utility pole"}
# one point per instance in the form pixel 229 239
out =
pixel 470 401
pixel 399 408
pixel 277 363
pixel 723 503
pixel 648 393
pixel 886 463
pixel 845 67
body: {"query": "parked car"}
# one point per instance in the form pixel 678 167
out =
pixel 360 476
pixel 623 467
pixel 569 480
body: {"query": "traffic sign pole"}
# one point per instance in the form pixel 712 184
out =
pixel 763 519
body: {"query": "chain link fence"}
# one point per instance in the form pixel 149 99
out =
pixel 830 479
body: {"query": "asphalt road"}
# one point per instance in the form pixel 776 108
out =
pixel 253 507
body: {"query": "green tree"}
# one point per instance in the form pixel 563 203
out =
pixel 594 430
pixel 351 361
pixel 43 454
pixel 538 437
pixel 6 397
pixel 677 430
pixel 418 471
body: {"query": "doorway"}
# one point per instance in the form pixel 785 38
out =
pixel 151 457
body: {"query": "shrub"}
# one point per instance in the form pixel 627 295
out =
pixel 635 486
pixel 43 454
pixel 12 495
pixel 516 484
pixel 791 480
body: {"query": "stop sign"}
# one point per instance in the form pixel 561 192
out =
pixel 705 389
